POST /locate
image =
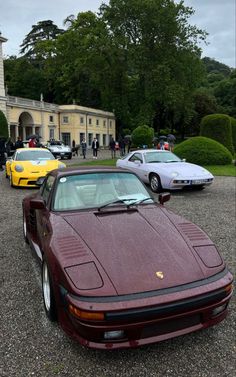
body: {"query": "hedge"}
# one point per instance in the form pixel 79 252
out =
pixel 218 127
pixel 203 151
pixel 233 126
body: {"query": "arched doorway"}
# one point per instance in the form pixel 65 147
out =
pixel 26 124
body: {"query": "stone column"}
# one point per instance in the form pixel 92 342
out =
pixel 3 98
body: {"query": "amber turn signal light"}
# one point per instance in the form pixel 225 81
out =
pixel 81 314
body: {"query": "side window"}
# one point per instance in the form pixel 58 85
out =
pixel 47 187
pixel 136 157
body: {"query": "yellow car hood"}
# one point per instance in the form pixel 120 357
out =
pixel 39 166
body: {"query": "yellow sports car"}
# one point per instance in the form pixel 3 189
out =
pixel 28 164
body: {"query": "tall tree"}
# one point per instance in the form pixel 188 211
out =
pixel 42 31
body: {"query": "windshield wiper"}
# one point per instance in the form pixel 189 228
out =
pixel 141 201
pixel 116 202
pixel 171 161
pixel 155 162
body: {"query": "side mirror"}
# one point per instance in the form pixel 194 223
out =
pixel 37 203
pixel 164 197
pixel 40 181
pixel 137 162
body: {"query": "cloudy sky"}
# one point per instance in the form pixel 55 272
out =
pixel 217 17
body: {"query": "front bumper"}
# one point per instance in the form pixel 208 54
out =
pixel 195 182
pixel 26 180
pixel 149 319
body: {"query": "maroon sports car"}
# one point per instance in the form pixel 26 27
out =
pixel 118 269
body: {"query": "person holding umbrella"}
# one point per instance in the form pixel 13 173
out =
pixel 171 140
pixel 32 142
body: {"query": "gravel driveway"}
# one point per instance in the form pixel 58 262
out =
pixel 31 346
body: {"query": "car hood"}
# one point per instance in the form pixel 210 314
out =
pixel 125 252
pixel 39 166
pixel 184 169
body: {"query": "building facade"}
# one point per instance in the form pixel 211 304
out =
pixel 69 123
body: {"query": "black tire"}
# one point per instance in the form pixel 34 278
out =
pixel 25 228
pixel 48 295
pixel 69 156
pixel 155 183
pixel 10 178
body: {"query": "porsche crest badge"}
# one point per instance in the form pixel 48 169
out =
pixel 159 274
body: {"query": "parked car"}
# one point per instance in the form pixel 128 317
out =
pixel 59 149
pixel 28 164
pixel 118 269
pixel 164 170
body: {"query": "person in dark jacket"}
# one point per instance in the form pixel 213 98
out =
pixel 112 146
pixel 95 147
pixel 84 147
pixel 3 150
pixel 19 143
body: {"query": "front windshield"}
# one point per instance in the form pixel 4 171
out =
pixel 34 155
pixel 156 156
pixel 94 190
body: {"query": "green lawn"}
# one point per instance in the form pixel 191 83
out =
pixel 220 170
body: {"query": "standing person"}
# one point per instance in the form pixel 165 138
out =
pixel 84 147
pixel 3 150
pixel 10 147
pixel 161 143
pixel 32 142
pixel 19 143
pixel 122 146
pixel 112 146
pixel 95 146
pixel 171 140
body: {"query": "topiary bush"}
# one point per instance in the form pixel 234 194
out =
pixel 3 126
pixel 233 126
pixel 203 151
pixel 218 127
pixel 142 135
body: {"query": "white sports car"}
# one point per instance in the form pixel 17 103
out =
pixel 164 170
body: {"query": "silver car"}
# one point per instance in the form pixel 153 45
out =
pixel 164 170
pixel 59 149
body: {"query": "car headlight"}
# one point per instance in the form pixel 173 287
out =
pixel 19 168
pixel 174 174
pixel 61 166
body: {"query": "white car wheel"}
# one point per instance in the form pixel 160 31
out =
pixel 48 297
pixel 25 228
pixel 155 183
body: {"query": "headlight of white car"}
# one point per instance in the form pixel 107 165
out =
pixel 19 168
pixel 174 174
pixel 204 171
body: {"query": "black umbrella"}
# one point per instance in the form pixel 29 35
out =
pixel 127 137
pixel 171 137
pixel 162 137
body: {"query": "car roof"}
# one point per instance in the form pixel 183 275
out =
pixel 31 149
pixel 87 169
pixel 150 150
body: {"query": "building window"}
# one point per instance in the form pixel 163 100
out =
pixel 90 121
pixel 90 138
pixel 50 118
pixel 81 136
pixel 65 119
pixel 104 123
pixel 51 133
pixel 97 122
pixel 98 137
pixel 81 120
pixel 66 138
pixel 104 139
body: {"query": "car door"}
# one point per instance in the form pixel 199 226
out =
pixel 43 215
pixel 136 164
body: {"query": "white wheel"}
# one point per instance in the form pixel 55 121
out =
pixel 48 297
pixel 25 228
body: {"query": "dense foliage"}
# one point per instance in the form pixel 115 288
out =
pixel 3 126
pixel 203 151
pixel 138 58
pixel 233 126
pixel 142 135
pixel 218 127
